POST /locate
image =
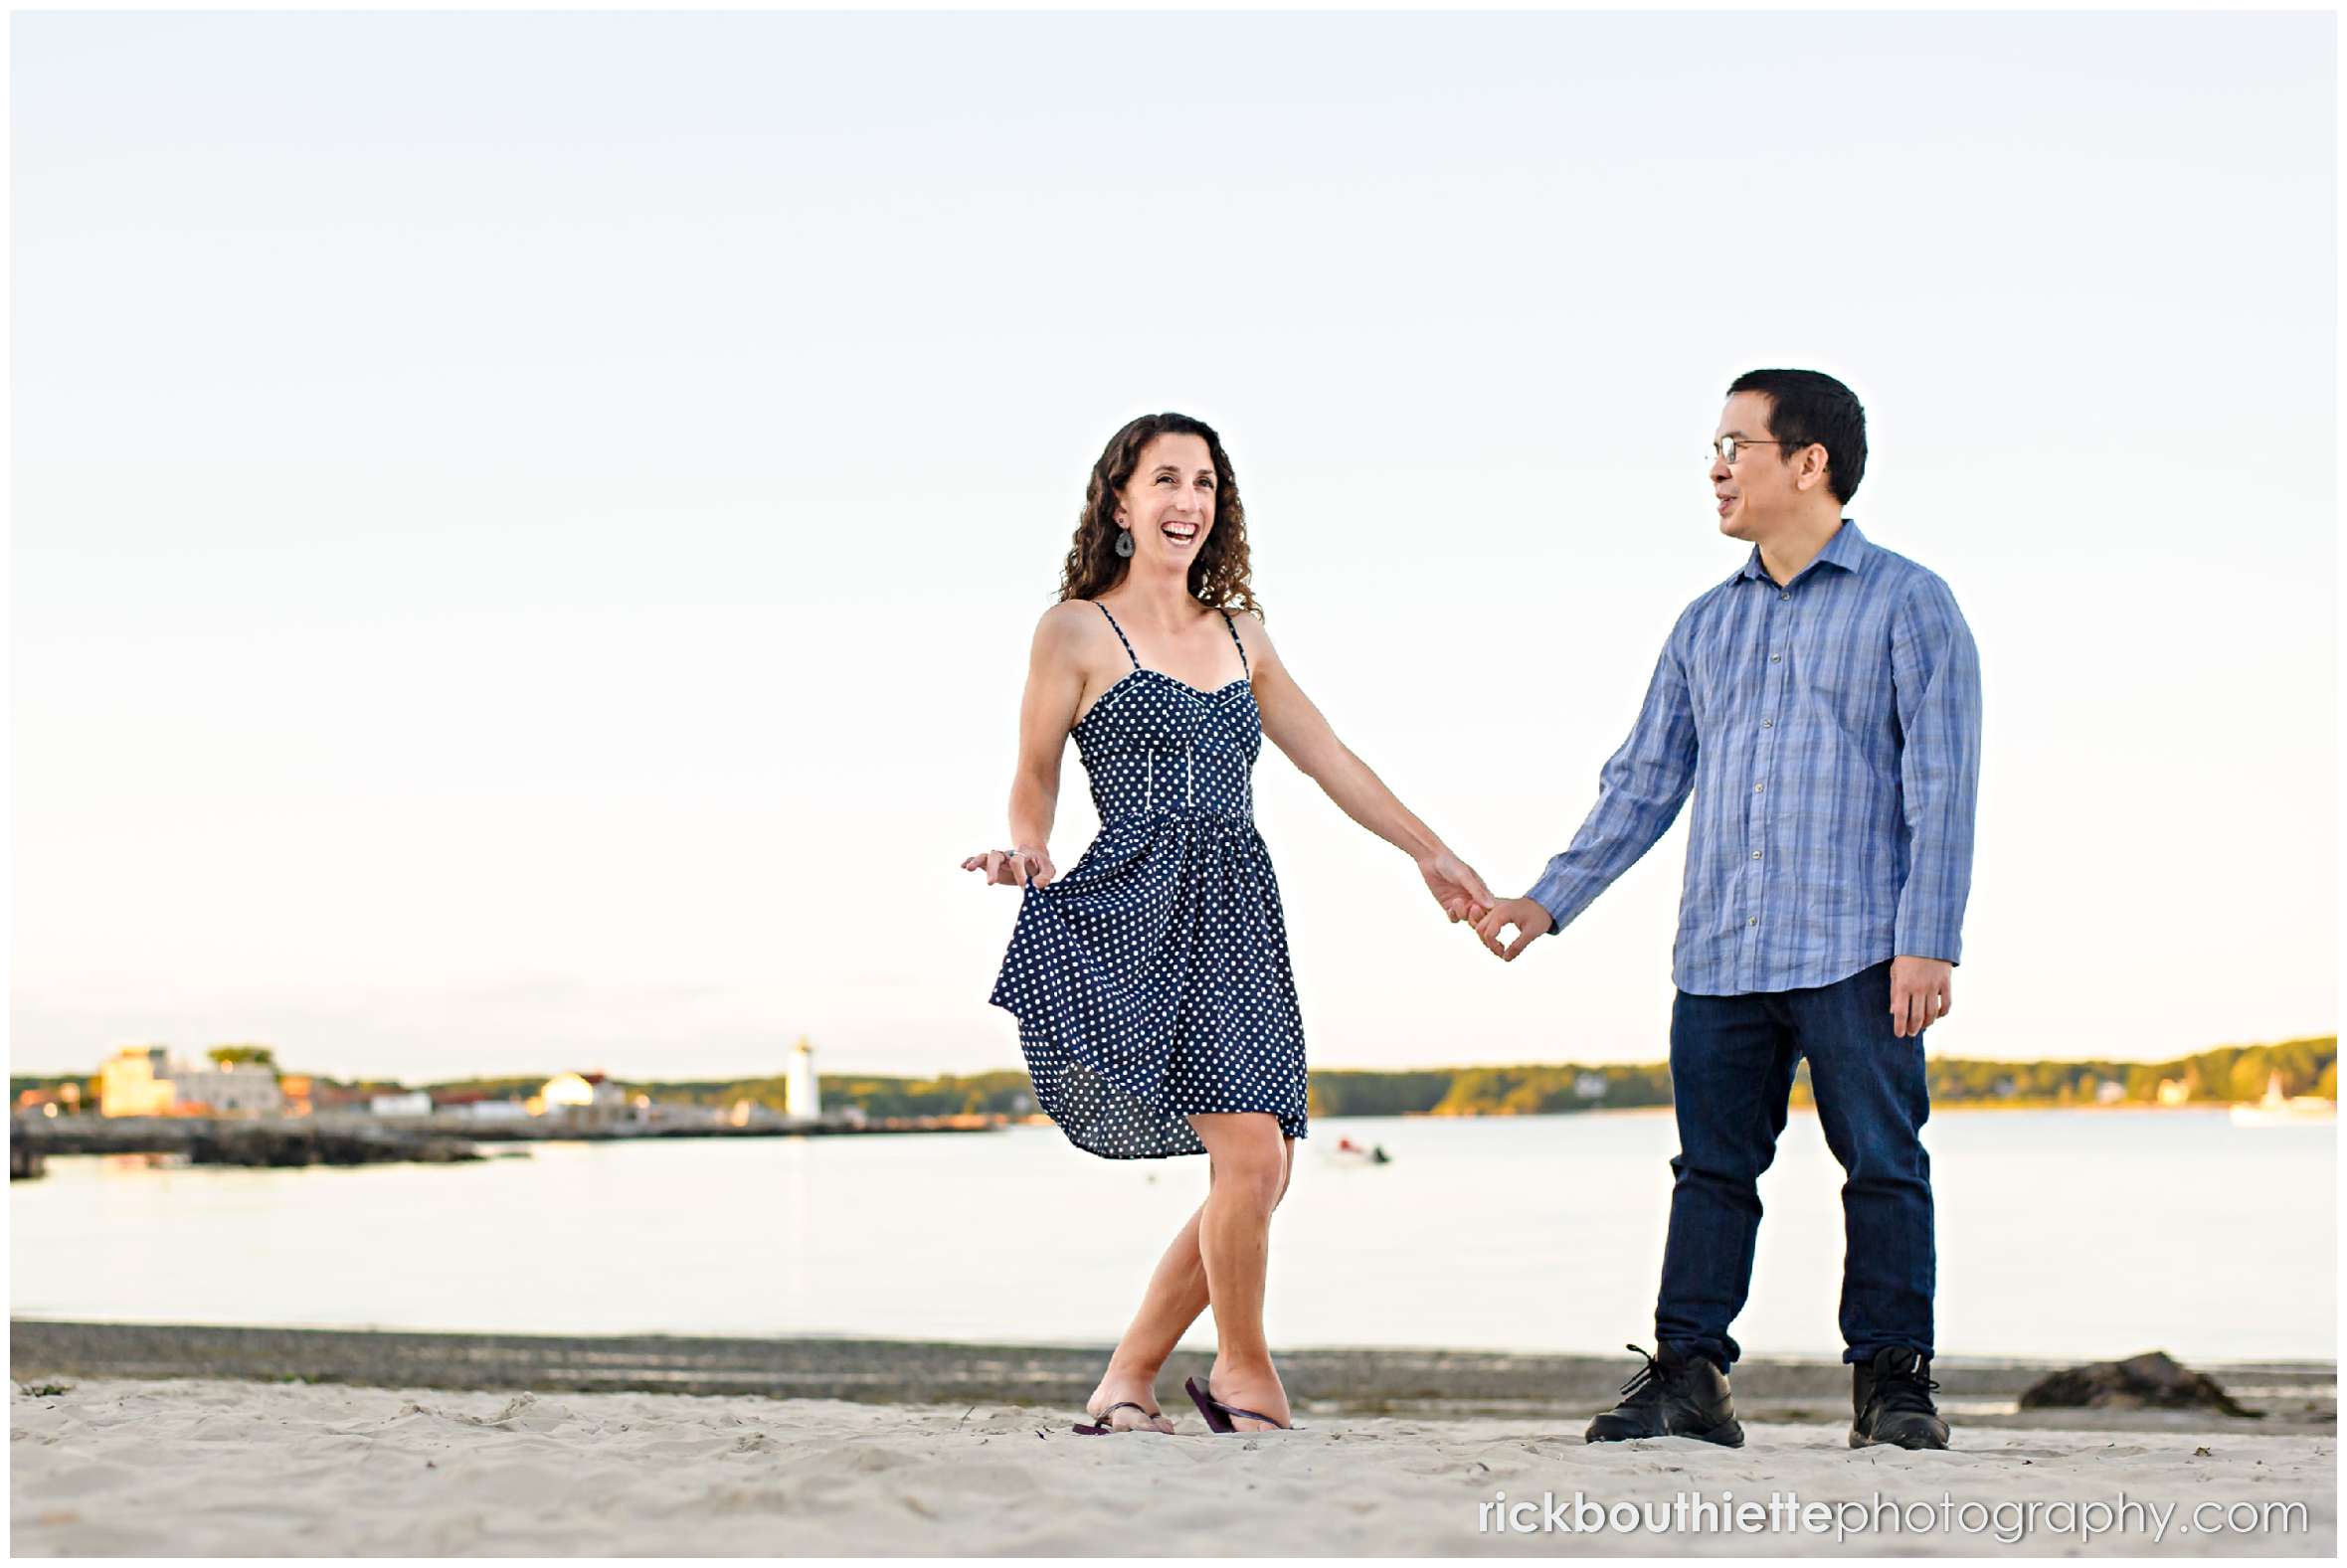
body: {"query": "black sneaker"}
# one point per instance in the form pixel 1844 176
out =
pixel 1891 1398
pixel 1673 1397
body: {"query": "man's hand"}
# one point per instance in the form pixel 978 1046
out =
pixel 1919 994
pixel 1528 918
pixel 1455 886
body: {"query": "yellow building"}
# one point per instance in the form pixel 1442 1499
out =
pixel 586 1097
pixel 135 1082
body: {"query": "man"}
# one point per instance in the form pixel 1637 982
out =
pixel 1823 704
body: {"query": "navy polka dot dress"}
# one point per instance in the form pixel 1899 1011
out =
pixel 1151 981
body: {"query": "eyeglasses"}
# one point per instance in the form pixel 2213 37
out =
pixel 1726 448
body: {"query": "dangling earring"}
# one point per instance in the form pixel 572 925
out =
pixel 1124 542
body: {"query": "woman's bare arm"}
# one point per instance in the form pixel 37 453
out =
pixel 1046 712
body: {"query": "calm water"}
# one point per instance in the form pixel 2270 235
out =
pixel 2066 1233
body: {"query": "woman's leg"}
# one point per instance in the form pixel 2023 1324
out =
pixel 1249 1164
pixel 1177 1295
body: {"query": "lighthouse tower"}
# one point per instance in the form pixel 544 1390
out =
pixel 800 1098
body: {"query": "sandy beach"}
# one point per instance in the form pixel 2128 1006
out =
pixel 163 1464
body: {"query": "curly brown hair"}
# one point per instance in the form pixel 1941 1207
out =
pixel 1217 578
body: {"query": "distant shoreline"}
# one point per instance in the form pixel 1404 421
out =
pixel 2273 1073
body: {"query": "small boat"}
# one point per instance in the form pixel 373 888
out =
pixel 2278 1110
pixel 1348 1152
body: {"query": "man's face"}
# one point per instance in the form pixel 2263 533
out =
pixel 1761 490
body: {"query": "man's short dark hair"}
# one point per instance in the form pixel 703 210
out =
pixel 1809 407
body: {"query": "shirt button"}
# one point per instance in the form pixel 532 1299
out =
pixel 1777 658
pixel 1768 724
pixel 1755 920
pixel 1756 854
pixel 1784 596
pixel 1756 788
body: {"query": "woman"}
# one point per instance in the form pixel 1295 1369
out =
pixel 1156 1005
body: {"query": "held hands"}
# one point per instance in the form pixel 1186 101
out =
pixel 1010 867
pixel 1919 994
pixel 1529 920
pixel 1455 885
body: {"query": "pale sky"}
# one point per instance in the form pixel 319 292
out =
pixel 527 526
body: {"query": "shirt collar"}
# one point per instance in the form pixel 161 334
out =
pixel 1847 549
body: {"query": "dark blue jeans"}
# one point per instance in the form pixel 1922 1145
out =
pixel 1731 1069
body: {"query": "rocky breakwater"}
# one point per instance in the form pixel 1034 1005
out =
pixel 221 1141
pixel 292 1144
pixel 2150 1381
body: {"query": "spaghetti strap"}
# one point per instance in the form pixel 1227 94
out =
pixel 1234 636
pixel 1121 637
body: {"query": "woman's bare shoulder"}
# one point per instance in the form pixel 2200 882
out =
pixel 1070 626
pixel 1068 612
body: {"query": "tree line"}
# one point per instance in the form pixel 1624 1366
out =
pixel 2229 1073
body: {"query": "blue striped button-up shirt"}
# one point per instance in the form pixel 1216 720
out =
pixel 1829 730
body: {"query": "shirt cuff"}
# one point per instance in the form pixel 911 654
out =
pixel 1925 940
pixel 1561 897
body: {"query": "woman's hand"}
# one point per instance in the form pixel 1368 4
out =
pixel 1455 886
pixel 1011 867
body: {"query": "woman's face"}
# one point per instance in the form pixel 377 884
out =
pixel 1168 503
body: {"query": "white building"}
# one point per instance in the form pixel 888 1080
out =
pixel 668 1115
pixel 413 1102
pixel 230 1087
pixel 801 1096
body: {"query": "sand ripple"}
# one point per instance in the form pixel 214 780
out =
pixel 207 1469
